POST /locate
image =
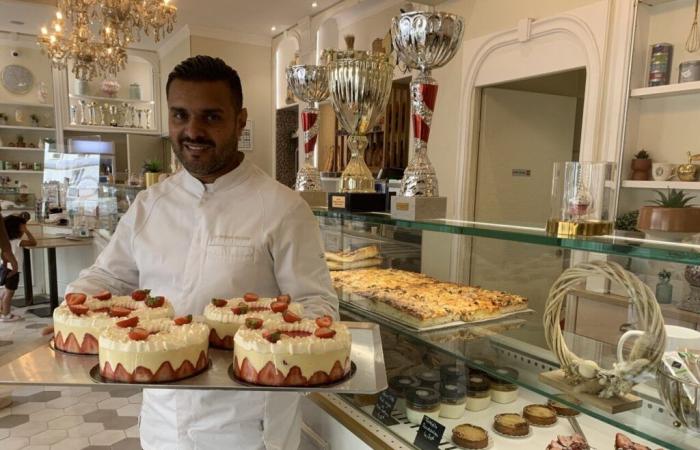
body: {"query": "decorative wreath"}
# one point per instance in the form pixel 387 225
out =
pixel 646 353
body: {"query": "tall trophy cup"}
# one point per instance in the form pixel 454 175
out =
pixel 360 84
pixel 423 41
pixel 309 84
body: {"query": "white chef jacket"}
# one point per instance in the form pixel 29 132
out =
pixel 192 242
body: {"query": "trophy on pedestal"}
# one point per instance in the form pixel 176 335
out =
pixel 424 41
pixel 360 84
pixel 310 84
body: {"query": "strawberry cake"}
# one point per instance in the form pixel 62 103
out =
pixel 300 353
pixel 79 321
pixel 225 317
pixel 136 350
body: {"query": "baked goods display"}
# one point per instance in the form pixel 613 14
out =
pixel 80 319
pixel 562 409
pixel 511 425
pixel 136 350
pixel 225 316
pixel 423 301
pixel 470 436
pixel 367 256
pixel 539 415
pixel 622 442
pixel 575 442
pixel 304 352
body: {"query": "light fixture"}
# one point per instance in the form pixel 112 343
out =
pixel 273 28
pixel 314 5
pixel 103 53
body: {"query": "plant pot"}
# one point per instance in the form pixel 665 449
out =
pixel 669 223
pixel 150 178
pixel 641 169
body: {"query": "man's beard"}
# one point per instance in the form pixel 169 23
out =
pixel 210 166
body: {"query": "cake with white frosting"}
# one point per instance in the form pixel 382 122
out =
pixel 225 316
pixel 153 350
pixel 303 353
pixel 80 319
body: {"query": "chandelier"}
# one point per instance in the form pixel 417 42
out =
pixel 71 35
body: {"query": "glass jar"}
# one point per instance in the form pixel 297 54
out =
pixel 478 393
pixel 452 373
pixel 429 378
pixel 453 400
pixel 502 389
pixel 422 402
pixel 398 386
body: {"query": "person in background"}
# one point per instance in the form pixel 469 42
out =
pixel 8 259
pixel 16 228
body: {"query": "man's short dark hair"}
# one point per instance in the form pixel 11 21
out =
pixel 208 68
pixel 12 225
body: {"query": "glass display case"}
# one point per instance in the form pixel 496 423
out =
pixel 511 351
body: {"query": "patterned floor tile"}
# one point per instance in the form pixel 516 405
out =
pixel 28 429
pixel 45 415
pixel 63 402
pixel 107 437
pixel 37 447
pixel 5 432
pixel 65 422
pixel 28 408
pixel 94 397
pixel 13 420
pixel 86 430
pixel 131 409
pixel 48 437
pixel 72 443
pixel 35 326
pixel 132 432
pixel 45 396
pixel 120 423
pixel 14 443
pixel 138 398
pixel 127 444
pixel 112 403
pixel 124 392
pixel 75 391
pixel 80 409
pixel 27 390
pixel 101 415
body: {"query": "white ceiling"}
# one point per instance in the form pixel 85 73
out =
pixel 246 17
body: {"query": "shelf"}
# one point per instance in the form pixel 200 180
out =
pixel 110 99
pixel 120 130
pixel 19 127
pixel 686 185
pixel 611 244
pixel 26 104
pixel 31 149
pixel 33 172
pixel 669 90
pixel 502 342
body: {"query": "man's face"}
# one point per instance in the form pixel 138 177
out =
pixel 204 127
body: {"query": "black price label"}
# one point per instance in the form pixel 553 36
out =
pixel 429 434
pixel 382 410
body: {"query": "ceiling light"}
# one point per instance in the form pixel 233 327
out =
pixel 273 28
pixel 314 5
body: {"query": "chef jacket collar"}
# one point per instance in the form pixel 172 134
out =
pixel 224 182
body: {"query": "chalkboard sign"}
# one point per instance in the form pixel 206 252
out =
pixel 429 434
pixel 382 410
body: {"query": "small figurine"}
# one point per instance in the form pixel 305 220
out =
pixel 664 288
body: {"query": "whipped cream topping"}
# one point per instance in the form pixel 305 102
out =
pixel 92 319
pixel 253 340
pixel 225 315
pixel 169 336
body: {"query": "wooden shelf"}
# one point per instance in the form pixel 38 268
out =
pixel 669 90
pixel 19 127
pixel 120 130
pixel 32 149
pixel 686 185
pixel 27 104
pixel 37 172
pixel 110 99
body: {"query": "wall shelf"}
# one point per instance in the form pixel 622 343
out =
pixel 686 185
pixel 19 127
pixel 120 130
pixel 27 105
pixel 31 149
pixel 110 99
pixel 36 172
pixel 669 90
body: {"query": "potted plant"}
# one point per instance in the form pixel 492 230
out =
pixel 35 120
pixel 626 224
pixel 671 218
pixel 151 172
pixel 641 166
pixel 3 119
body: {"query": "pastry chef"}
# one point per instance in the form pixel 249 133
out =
pixel 219 228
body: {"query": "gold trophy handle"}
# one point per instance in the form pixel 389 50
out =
pixel 692 158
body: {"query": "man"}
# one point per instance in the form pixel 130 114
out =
pixel 219 228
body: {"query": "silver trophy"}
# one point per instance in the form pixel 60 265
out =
pixel 360 84
pixel 424 41
pixel 310 84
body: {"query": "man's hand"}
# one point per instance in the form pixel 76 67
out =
pixel 8 259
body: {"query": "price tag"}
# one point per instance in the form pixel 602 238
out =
pixel 429 434
pixel 382 410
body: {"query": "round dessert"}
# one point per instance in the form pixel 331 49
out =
pixel 540 415
pixel 562 409
pixel 478 394
pixel 429 378
pixel 421 402
pixel 470 436
pixel 511 425
pixel 153 351
pixel 80 319
pixel 225 317
pixel 503 390
pixel 398 386
pixel 300 353
pixel 453 400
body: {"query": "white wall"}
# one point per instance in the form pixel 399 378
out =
pixel 169 58
pixel 254 66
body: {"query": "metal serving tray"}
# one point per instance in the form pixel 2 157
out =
pixel 44 366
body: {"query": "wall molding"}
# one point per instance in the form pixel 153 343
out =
pixel 231 36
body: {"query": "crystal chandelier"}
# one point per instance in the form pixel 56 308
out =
pixel 102 53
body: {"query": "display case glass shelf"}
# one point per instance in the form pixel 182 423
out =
pixel 23 149
pixel 678 252
pixel 27 104
pixel 20 127
pixel 110 99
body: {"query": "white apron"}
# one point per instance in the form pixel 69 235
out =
pixel 191 243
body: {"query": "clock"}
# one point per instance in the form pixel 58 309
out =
pixel 17 79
